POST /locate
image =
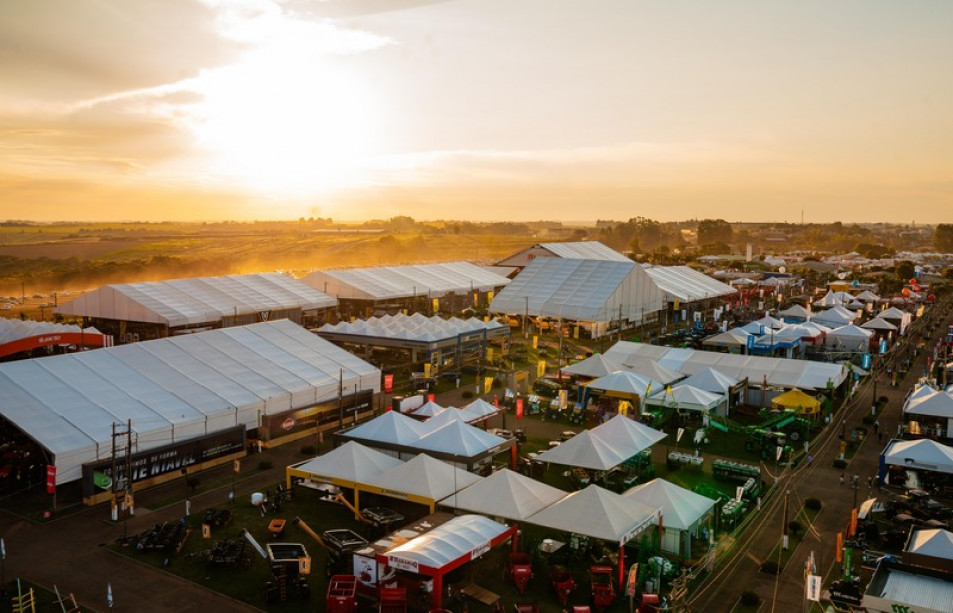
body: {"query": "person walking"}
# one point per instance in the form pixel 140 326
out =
pixel 842 478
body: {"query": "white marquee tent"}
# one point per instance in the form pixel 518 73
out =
pixel 598 513
pixel 390 282
pixel 683 511
pixel 505 494
pixel 172 389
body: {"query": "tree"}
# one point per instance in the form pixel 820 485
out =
pixel 905 270
pixel 714 231
pixel 943 238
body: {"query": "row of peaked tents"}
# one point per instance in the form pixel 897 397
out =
pixel 593 511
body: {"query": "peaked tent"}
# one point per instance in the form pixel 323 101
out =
pixel 479 410
pixel 736 337
pixel 505 494
pixel 867 296
pixel 935 404
pixel 598 513
pixel 832 318
pixel 796 399
pixel 829 300
pixel 651 369
pixel 391 427
pixel 879 323
pixel 444 417
pixel 624 384
pixel 686 397
pixel 850 337
pixel 587 451
pixel 346 466
pixel 596 365
pixel 459 438
pixel 683 511
pixel 626 435
pixel 922 454
pixel 932 542
pixel 421 479
pixel 427 409
pixel 795 311
pixel 711 380
pixel 892 313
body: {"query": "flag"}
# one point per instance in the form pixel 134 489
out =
pixel 812 588
pixel 3 550
pixel 109 595
pixel 648 389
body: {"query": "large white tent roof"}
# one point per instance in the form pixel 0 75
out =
pixel 627 435
pixel 505 494
pixel 390 427
pixel 459 438
pixel 594 366
pixel 922 453
pixel 581 290
pixel 891 313
pixel 795 310
pixel 681 508
pixel 686 283
pixel 450 541
pixel 711 380
pixel 173 389
pixel 781 372
pixel 16 329
pixel 648 367
pixel 584 250
pixel 390 282
pixel 625 382
pixel 351 462
pixel 416 327
pixel 184 302
pixel 934 542
pixel 735 337
pixel 423 476
pixel 687 397
pixel 598 513
pixel 479 409
pixel 587 451
pixel 937 404
pixel 878 323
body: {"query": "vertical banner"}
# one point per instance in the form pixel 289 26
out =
pixel 436 305
pixel 575 332
pixel 388 383
pixel 50 479
pixel 563 399
pixel 427 370
pixel 623 407
pixel 541 368
pixel 489 296
pixel 813 588
pixel 487 385
pixel 430 398
pixel 839 548
pixel 535 342
pixel 678 435
pixel 519 408
pixel 675 305
pixel 489 354
pixel 206 531
pixel 476 299
pixel 237 466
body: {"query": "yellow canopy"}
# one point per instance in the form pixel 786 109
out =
pixel 796 399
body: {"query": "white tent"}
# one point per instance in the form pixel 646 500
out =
pixel 829 300
pixel 173 389
pixel 795 311
pixel 423 476
pixel 892 313
pixel 923 454
pixel 347 465
pixel 624 383
pixel 598 513
pixel 736 337
pixel 479 410
pixel 594 366
pixel 682 511
pixel 879 323
pixel 686 397
pixel 391 282
pixel 458 438
pixel 444 417
pixel 390 427
pixel 849 337
pixel 626 435
pixel 935 404
pixel 686 284
pixel 933 542
pixel 711 380
pixel 833 318
pixel 648 367
pixel 587 451
pixel 593 291
pixel 505 494
pixel 427 409
pixel 867 296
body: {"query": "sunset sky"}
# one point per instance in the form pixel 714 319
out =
pixel 746 110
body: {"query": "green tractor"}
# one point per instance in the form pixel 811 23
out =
pixel 765 442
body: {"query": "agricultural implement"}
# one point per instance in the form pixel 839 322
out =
pixel 520 569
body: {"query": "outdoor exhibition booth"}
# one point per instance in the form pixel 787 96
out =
pixel 431 547
pixel 919 455
pixel 929 413
pixel 684 512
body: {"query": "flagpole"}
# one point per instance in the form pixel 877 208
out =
pixel 3 568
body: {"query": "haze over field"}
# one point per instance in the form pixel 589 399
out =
pixel 477 109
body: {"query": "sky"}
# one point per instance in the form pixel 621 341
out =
pixel 572 110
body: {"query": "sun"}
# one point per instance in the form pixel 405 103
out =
pixel 287 118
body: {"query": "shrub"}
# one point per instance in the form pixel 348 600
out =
pixel 839 463
pixel 882 401
pixel 812 504
pixel 467 394
pixel 868 419
pixel 193 483
pixel 309 450
pixel 794 527
pixel 265 465
pixel 750 599
pixel 770 567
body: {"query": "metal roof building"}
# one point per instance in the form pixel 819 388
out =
pixel 165 307
pixel 175 389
